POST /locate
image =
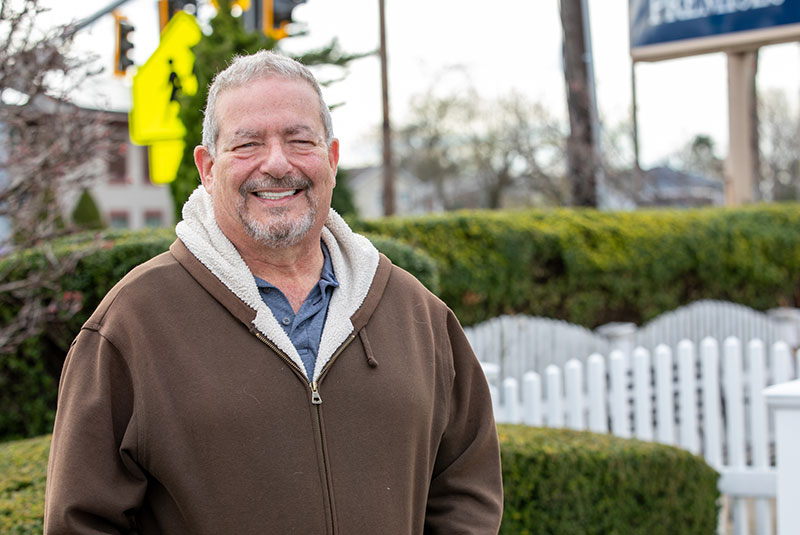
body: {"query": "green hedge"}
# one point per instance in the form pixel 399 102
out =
pixel 580 265
pixel 590 267
pixel 564 482
pixel 555 482
pixel 29 377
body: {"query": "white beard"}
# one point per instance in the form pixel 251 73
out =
pixel 281 232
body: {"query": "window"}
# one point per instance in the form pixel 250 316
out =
pixel 143 152
pixel 118 219
pixel 153 218
pixel 117 158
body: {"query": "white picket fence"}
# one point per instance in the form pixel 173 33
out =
pixel 518 344
pixel 703 403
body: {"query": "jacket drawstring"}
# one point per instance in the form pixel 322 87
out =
pixel 362 334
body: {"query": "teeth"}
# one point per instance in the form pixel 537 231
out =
pixel 274 196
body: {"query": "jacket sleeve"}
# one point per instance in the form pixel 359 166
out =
pixel 93 483
pixel 466 492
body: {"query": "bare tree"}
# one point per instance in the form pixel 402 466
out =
pixel 430 143
pixel 467 145
pixel 48 147
pixel 779 134
pixel 538 139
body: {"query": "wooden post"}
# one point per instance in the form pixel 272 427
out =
pixel 741 166
pixel 784 400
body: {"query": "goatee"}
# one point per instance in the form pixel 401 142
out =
pixel 280 231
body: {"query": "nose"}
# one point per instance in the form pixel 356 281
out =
pixel 274 161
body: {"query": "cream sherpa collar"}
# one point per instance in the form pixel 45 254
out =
pixel 354 259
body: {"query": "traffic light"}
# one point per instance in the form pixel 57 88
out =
pixel 277 16
pixel 168 8
pixel 121 59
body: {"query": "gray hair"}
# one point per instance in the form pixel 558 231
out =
pixel 247 68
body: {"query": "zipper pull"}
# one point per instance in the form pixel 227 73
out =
pixel 316 399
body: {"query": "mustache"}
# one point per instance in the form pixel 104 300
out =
pixel 266 182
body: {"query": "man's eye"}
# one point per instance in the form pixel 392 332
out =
pixel 246 145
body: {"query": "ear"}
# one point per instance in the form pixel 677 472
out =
pixel 333 157
pixel 205 166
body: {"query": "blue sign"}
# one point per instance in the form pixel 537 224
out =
pixel 666 21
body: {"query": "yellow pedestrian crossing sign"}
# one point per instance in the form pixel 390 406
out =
pixel 157 84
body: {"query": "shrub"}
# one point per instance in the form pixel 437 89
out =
pixel 591 268
pixel 411 259
pixel 555 481
pixel 86 215
pixel 29 376
pixel 563 482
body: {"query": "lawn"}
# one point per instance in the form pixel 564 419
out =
pixel 23 469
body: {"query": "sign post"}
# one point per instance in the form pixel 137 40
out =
pixel 666 29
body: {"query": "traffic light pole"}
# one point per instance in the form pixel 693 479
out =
pixel 90 20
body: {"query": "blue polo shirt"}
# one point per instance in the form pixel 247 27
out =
pixel 304 328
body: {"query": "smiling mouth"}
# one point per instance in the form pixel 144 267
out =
pixel 275 195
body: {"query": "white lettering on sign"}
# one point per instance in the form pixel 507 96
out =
pixel 666 11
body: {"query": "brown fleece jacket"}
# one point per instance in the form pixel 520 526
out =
pixel 178 415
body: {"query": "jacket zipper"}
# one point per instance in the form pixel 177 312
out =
pixel 316 400
pixel 283 356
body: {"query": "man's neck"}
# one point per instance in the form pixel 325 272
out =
pixel 293 270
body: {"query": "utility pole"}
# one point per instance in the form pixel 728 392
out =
pixel 582 157
pixel 388 166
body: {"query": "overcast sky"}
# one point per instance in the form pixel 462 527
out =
pixel 502 45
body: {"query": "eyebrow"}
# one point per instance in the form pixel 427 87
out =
pixel 300 129
pixel 248 133
pixel 245 133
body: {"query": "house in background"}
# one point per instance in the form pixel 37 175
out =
pixel 660 186
pixel 125 196
pixel 412 195
pixel 664 186
pixel 123 192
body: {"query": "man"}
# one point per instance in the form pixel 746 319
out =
pixel 204 395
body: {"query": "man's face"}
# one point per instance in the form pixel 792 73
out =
pixel 273 175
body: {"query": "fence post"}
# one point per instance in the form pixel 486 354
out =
pixel 511 399
pixel 555 405
pixel 784 399
pixel 712 440
pixel 532 399
pixel 598 420
pixel 573 382
pixel 492 372
pixel 758 426
pixel 687 373
pixel 665 401
pixel 788 324
pixel 620 335
pixel 643 405
pixel 619 390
